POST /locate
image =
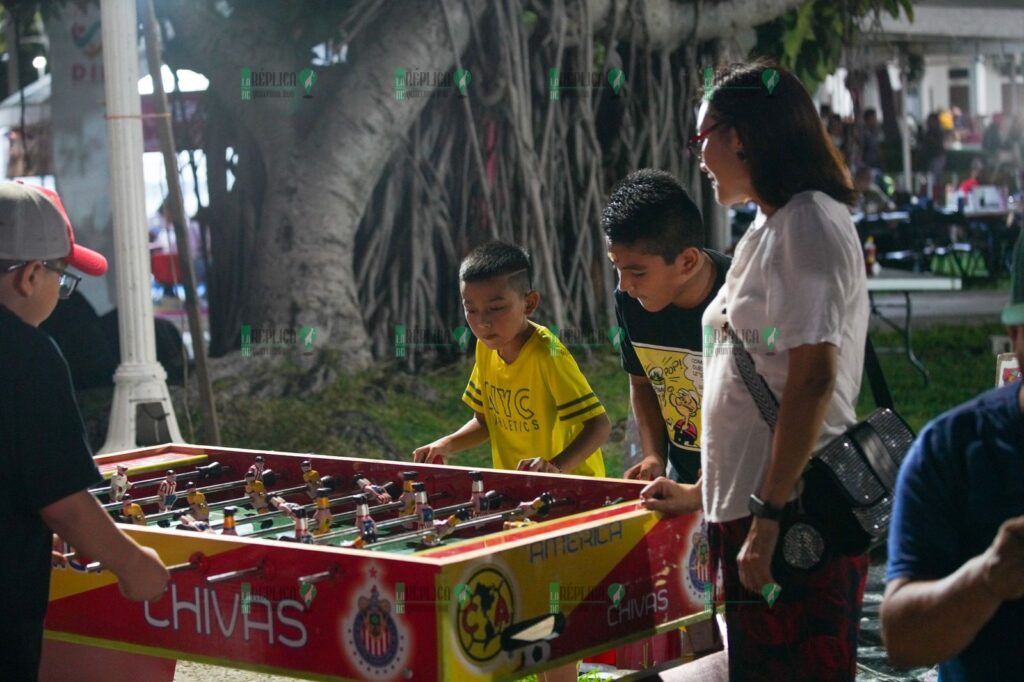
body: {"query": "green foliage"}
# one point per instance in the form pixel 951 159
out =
pixel 809 40
pixel 412 410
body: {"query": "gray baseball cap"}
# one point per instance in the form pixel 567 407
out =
pixel 35 226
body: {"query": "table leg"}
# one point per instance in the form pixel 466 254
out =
pixel 904 331
pixel 909 344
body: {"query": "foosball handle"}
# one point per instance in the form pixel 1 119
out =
pixel 212 470
pixel 235 575
pixel 314 578
pixel 196 562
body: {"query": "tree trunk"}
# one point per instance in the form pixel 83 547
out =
pixel 284 237
pixel 304 270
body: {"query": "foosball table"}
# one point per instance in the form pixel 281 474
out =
pixel 344 568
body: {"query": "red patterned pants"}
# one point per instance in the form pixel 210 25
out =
pixel 811 631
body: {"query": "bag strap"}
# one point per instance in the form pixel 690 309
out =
pixel 764 398
pixel 760 391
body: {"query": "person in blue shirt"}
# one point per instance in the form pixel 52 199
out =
pixel 955 579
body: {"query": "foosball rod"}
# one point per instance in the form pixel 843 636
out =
pixel 278 512
pixel 211 470
pixel 506 515
pixel 236 501
pixel 349 515
pixel 215 488
pixel 390 523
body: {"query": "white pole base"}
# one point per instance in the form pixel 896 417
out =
pixel 142 413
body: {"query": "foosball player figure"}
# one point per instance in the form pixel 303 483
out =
pixel 229 521
pixel 537 507
pixel 476 495
pixel 443 529
pixel 119 484
pixel 424 512
pixel 166 492
pixel 362 511
pixel 257 467
pixel 302 526
pixel 197 502
pixel 311 478
pixel 189 522
pixel 367 531
pixel 408 498
pixel 322 516
pixel 132 512
pixel 377 493
pixel 256 492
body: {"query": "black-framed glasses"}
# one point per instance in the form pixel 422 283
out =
pixel 695 141
pixel 67 282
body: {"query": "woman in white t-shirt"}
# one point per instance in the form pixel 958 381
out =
pixel 797 296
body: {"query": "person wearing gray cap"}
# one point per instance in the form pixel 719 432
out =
pixel 955 592
pixel 45 459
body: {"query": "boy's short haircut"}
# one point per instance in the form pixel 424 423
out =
pixel 649 209
pixel 497 258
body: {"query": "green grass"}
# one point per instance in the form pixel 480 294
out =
pixel 386 413
pixel 959 360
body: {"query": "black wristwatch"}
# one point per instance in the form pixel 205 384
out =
pixel 763 510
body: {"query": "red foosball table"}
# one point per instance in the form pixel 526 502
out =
pixel 414 571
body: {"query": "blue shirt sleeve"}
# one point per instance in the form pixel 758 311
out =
pixel 924 535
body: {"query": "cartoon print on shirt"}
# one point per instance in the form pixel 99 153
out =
pixel 677 376
pixel 687 404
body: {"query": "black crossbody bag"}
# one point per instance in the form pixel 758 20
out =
pixel 844 499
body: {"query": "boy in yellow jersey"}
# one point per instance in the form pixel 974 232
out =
pixel 528 395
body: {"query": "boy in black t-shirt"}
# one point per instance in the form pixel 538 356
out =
pixel 666 279
pixel 46 463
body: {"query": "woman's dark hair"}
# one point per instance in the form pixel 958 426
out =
pixel 787 148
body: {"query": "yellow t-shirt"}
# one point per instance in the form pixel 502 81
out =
pixel 537 405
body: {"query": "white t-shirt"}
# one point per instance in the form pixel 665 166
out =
pixel 797 278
